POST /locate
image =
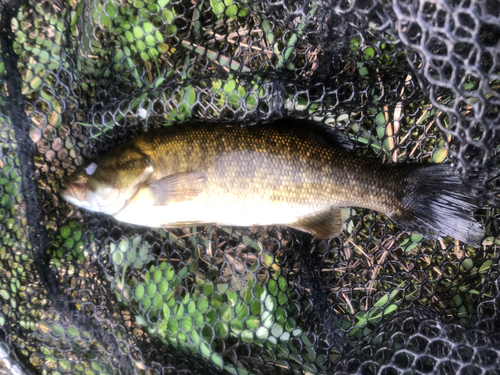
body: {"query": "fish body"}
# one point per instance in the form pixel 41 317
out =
pixel 289 172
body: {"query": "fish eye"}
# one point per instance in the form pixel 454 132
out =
pixel 91 169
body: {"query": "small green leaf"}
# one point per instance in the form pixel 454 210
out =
pixel 221 329
pixel 380 120
pixel 259 291
pixel 159 37
pixel 150 41
pixel 151 290
pixel 226 313
pixel 191 97
pixel 146 302
pixel 168 16
pixel 117 257
pixel 5 295
pixel 252 323
pixel 468 264
pixel 183 272
pixel 136 241
pixel 267 319
pixel 389 309
pixel 280 315
pixel 131 255
pixel 44 57
pixel 208 289
pixel 191 308
pixel 139 292
pixel 205 350
pixel 77 235
pixel 217 301
pixel 416 238
pixel 137 32
pixel 158 301
pixel 72 331
pixel 69 243
pixel 157 276
pixel 187 324
pixel 124 245
pixel 178 311
pixel 217 360
pixel 111 10
pixel 58 329
pixel 270 303
pixel 272 287
pixel 232 10
pixel 256 307
pixel 164 287
pixel 203 304
pixel 166 311
pixel 198 319
pixel 129 36
pixel 247 336
pixel 485 266
pixel 103 19
pixel 195 337
pixel 147 27
pixel 144 254
pixel 159 81
pixel 246 295
pixel 230 86
pixel 140 320
pixel 65 232
pixel 262 333
pixel 369 52
pixel 439 155
pixel 217 6
pixel 236 326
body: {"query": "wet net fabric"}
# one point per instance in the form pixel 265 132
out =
pixel 406 81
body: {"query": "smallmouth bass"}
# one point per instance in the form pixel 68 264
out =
pixel 290 172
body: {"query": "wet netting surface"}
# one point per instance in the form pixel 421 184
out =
pixel 406 81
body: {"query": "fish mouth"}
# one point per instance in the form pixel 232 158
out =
pixel 76 191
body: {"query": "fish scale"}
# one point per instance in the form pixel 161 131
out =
pixel 288 172
pixel 266 159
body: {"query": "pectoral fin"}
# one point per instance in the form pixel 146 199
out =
pixel 326 225
pixel 177 187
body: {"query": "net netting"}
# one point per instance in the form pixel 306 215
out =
pixel 406 81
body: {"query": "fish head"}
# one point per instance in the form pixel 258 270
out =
pixel 108 183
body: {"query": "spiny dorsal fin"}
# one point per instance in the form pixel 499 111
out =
pixel 326 135
pixel 326 225
pixel 177 187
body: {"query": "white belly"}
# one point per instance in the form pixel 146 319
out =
pixel 230 211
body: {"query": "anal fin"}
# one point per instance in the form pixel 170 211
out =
pixel 182 224
pixel 325 225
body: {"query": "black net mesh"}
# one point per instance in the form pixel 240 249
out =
pixel 407 81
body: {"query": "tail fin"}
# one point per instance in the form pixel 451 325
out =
pixel 438 204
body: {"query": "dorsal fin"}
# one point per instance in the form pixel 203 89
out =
pixel 325 135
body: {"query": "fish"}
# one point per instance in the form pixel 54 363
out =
pixel 295 173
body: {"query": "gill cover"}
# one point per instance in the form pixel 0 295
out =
pixel 107 183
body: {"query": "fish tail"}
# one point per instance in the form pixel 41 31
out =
pixel 436 203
